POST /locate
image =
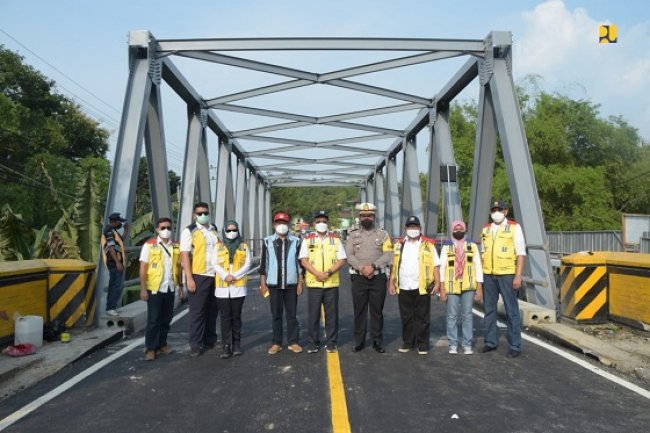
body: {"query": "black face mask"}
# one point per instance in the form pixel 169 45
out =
pixel 119 226
pixel 458 235
pixel 367 223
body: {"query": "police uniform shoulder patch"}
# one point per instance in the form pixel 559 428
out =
pixel 310 236
pixel 512 222
pixel 152 241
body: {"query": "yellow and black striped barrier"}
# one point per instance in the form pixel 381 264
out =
pixel 583 287
pixel 23 290
pixel 53 289
pixel 71 291
pixel 629 288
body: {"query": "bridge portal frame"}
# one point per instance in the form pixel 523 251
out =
pixel 248 197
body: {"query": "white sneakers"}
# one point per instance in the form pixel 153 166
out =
pixel 466 350
pixel 113 313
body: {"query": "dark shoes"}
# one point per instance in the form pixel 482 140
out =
pixel 378 348
pixel 358 348
pixel 313 348
pixel 194 352
pixel 331 348
pixel 236 351
pixel 226 352
pixel 513 353
pixel 487 349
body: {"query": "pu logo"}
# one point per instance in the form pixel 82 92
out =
pixel 607 34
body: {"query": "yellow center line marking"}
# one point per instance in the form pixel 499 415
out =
pixel 340 421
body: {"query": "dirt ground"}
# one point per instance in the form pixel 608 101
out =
pixel 621 336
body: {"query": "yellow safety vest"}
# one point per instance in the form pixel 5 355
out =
pixel 223 260
pixel 156 265
pixel 322 255
pixel 198 247
pixel 468 282
pixel 499 257
pixel 425 259
pixel 120 254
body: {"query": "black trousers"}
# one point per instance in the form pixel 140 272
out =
pixel 284 299
pixel 368 295
pixel 230 309
pixel 160 311
pixel 415 312
pixel 329 298
pixel 203 313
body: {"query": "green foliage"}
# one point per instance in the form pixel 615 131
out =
pixel 87 210
pixel 588 169
pixel 304 202
pixel 14 236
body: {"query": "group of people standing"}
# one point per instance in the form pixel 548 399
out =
pixel 216 271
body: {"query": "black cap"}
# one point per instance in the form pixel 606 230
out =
pixel 115 216
pixel 498 204
pixel 321 213
pixel 412 220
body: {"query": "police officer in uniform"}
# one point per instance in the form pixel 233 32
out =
pixel 369 252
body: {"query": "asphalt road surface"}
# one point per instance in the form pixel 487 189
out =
pixel 392 392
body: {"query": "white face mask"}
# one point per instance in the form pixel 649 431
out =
pixel 232 235
pixel 497 217
pixel 282 229
pixel 321 227
pixel 413 233
pixel 165 234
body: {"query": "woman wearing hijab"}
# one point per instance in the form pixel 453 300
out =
pixel 232 262
pixel 461 278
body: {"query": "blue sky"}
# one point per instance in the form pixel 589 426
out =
pixel 555 39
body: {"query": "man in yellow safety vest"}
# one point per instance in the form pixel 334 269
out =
pixel 415 274
pixel 504 255
pixel 322 255
pixel 198 243
pixel 160 274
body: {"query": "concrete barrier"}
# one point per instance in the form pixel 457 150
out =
pixel 531 314
pixel 131 318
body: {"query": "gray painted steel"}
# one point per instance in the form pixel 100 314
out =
pixel 432 208
pixel 380 199
pixel 447 168
pixel 154 139
pixel 123 182
pixel 412 197
pixel 393 211
pixel 523 190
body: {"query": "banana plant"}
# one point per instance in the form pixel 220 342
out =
pixel 14 236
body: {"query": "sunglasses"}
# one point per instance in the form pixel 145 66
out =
pixel 166 228
pixel 231 231
pixel 202 213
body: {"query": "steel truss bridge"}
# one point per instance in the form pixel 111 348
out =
pixel 365 156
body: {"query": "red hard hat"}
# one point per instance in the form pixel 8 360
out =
pixel 281 216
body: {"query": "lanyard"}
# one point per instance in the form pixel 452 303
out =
pixel 166 250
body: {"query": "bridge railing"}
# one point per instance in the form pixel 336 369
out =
pixel 561 243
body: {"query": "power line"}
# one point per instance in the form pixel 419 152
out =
pixel 60 71
pixel 173 152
